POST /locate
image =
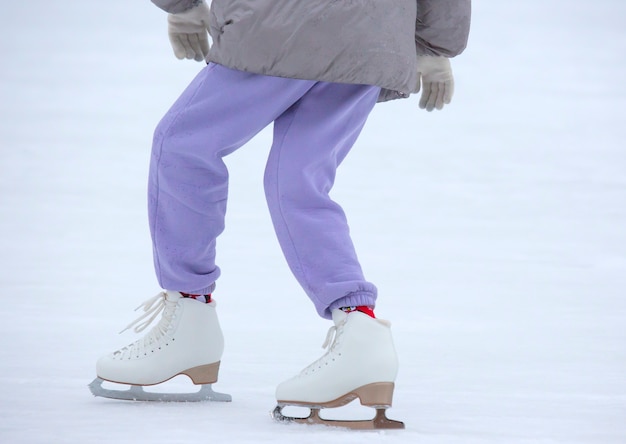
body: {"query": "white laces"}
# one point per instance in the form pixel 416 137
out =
pixel 152 308
pixel 330 336
pixel 330 343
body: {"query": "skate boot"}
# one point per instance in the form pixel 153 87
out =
pixel 187 340
pixel 360 362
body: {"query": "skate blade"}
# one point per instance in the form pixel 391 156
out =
pixel 380 421
pixel 137 393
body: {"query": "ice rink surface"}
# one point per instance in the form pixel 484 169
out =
pixel 495 231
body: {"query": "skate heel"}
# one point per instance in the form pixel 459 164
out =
pixel 203 374
pixel 378 394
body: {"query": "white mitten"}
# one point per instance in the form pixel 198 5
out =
pixel 188 32
pixel 437 81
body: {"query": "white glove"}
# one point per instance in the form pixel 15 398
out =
pixel 437 81
pixel 188 32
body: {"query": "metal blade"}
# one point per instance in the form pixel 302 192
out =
pixel 137 393
pixel 380 421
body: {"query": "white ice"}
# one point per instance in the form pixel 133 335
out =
pixel 495 231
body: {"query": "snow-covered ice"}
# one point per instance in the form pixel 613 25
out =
pixel 495 231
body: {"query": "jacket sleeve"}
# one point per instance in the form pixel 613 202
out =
pixel 176 6
pixel 442 27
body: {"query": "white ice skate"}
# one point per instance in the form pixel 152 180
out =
pixel 360 363
pixel 187 341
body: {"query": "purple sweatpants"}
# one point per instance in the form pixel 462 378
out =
pixel 315 125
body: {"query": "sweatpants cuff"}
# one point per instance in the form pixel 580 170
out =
pixel 352 300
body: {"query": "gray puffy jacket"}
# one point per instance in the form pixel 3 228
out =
pixel 374 42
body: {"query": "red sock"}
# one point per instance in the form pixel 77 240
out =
pixel 206 298
pixel 362 308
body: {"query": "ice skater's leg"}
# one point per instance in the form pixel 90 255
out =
pixel 188 185
pixel 311 139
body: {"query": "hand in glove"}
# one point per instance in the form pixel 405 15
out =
pixel 437 81
pixel 188 32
